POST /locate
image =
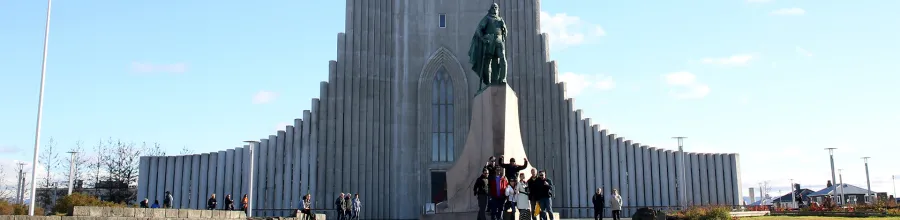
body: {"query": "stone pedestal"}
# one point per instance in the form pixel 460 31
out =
pixel 493 131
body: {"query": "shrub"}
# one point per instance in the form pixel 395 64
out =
pixel 67 203
pixel 7 208
pixel 703 213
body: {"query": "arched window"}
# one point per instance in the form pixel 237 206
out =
pixel 442 118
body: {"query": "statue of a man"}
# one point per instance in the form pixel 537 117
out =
pixel 487 53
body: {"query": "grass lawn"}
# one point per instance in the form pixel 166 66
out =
pixel 811 218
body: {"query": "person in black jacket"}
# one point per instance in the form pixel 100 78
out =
pixel 481 192
pixel 543 192
pixel 229 203
pixel 491 165
pixel 167 200
pixel 339 206
pixel 145 203
pixel 531 188
pixel 211 203
pixel 512 170
pixel 599 202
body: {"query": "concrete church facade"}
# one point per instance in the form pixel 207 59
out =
pixel 394 113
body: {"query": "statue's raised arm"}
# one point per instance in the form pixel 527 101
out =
pixel 487 52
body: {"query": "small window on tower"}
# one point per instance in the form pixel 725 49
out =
pixel 443 21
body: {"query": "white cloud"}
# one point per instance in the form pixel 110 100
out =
pixel 803 52
pixel 577 83
pixel 789 11
pixel 738 59
pixel 565 30
pixel 263 97
pixel 758 1
pixel 140 67
pixel 685 85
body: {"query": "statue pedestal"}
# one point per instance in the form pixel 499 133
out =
pixel 493 131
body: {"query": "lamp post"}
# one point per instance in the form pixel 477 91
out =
pixel 37 129
pixel 831 154
pixel 868 183
pixel 793 196
pixel 71 171
pixel 681 191
pixel 894 183
pixel 841 176
pixel 250 179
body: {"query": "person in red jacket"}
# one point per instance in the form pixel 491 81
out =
pixel 497 191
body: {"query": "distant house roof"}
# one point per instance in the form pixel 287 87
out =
pixel 847 189
pixel 787 197
pixel 762 202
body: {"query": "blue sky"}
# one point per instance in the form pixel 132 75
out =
pixel 774 80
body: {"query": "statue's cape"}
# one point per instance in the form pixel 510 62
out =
pixel 476 49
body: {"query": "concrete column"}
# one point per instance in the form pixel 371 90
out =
pixel 530 84
pixel 203 188
pixel 705 179
pixel 271 183
pixel 594 163
pixel 335 96
pixel 312 144
pixel 177 183
pixel 664 177
pixel 672 175
pixel 653 188
pixel 688 179
pixel 696 170
pixel 143 179
pixel 195 197
pixel 238 176
pixel 711 177
pixel 184 194
pixel 170 177
pixel 606 168
pixel 154 178
pixel 215 177
pixel 736 187
pixel 259 176
pixel 572 184
pixel 598 158
pixel 279 190
pixel 296 162
pixel 229 180
pixel 720 180
pixel 582 166
pixel 160 180
pixel 220 177
pixel 628 189
pixel 616 177
pixel 729 183
pixel 556 124
pixel 319 142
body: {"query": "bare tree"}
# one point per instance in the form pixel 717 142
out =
pixel 7 192
pixel 154 150
pixel 50 159
pixel 186 151
pixel 96 165
pixel 122 168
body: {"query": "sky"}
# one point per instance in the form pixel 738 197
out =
pixel 776 81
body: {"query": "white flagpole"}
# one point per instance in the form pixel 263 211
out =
pixel 37 132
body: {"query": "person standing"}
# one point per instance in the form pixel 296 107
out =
pixel 522 201
pixel 498 184
pixel 512 169
pixel 229 203
pixel 599 202
pixel 348 205
pixel 245 202
pixel 616 204
pixel 167 200
pixel 339 206
pixel 511 196
pixel 211 203
pixel 481 193
pixel 491 165
pixel 543 195
pixel 357 206
pixel 532 187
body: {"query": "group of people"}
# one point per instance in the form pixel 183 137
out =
pixel 599 201
pixel 501 187
pixel 211 203
pixel 347 208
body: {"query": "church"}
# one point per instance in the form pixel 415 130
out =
pixel 393 117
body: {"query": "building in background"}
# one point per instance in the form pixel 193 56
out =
pixel 394 115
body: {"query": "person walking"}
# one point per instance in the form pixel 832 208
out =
pixel 616 204
pixel 211 203
pixel 229 203
pixel 348 205
pixel 339 206
pixel 481 193
pixel 522 201
pixel 599 202
pixel 498 184
pixel 356 206
pixel 167 200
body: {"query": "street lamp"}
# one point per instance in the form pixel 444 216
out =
pixel 681 180
pixel 793 196
pixel 831 153
pixel 250 179
pixel 71 171
pixel 868 183
pixel 37 129
pixel 841 175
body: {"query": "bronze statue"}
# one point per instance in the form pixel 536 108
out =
pixel 487 53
